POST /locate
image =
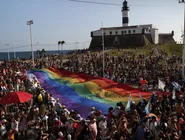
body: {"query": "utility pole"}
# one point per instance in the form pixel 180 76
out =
pixel 8 51
pixel 30 23
pixel 103 49
pixel 183 52
pixel 14 50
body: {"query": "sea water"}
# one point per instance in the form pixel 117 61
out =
pixel 26 55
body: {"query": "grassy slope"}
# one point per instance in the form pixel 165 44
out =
pixel 173 49
pixel 170 48
pixel 144 50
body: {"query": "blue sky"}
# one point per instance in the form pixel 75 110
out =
pixel 72 22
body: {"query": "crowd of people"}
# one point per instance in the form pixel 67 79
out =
pixel 46 118
pixel 129 68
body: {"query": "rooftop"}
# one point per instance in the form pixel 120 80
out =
pixel 124 27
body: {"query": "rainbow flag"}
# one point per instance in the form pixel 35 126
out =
pixel 80 92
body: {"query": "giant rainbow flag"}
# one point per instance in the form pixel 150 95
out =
pixel 80 92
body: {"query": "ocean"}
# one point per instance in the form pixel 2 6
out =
pixel 26 55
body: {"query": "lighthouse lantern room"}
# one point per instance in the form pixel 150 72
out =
pixel 125 14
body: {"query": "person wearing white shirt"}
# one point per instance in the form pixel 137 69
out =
pixel 58 106
pixel 15 127
pixel 153 126
pixel 3 130
pixel 116 111
pixel 103 127
pixel 52 100
pixel 44 118
pixel 65 109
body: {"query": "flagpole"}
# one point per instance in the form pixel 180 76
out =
pixel 103 48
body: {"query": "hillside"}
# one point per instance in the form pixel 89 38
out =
pixel 173 49
pixel 169 48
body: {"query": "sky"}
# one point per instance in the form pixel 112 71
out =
pixel 72 22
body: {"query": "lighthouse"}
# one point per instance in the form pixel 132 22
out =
pixel 125 14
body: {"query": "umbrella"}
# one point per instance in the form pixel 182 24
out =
pixel 153 115
pixel 15 97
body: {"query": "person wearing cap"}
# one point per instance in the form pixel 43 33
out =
pixel 103 127
pixel 52 100
pixel 153 126
pixel 65 110
pixel 93 110
pixel 99 116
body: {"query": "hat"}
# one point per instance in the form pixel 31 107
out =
pixel 3 121
pixel 99 112
pixel 42 89
pixel 92 108
pixel 56 119
pixel 114 126
pixel 63 106
pixel 78 116
pixel 60 134
pixel 69 137
pixel 57 99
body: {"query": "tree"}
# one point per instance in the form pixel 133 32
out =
pixel 40 53
pixel 60 43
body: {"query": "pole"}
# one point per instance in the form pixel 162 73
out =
pixel 8 52
pixel 183 53
pixel 31 46
pixel 58 48
pixel 103 50
pixel 14 51
pixel 76 48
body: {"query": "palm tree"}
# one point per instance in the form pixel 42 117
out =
pixel 59 42
pixel 38 53
pixel 42 52
pixel 62 42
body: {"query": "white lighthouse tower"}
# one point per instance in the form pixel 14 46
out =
pixel 125 14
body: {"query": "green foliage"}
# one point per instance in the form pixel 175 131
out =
pixel 61 42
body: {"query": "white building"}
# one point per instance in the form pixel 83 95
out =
pixel 118 34
pixel 126 30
